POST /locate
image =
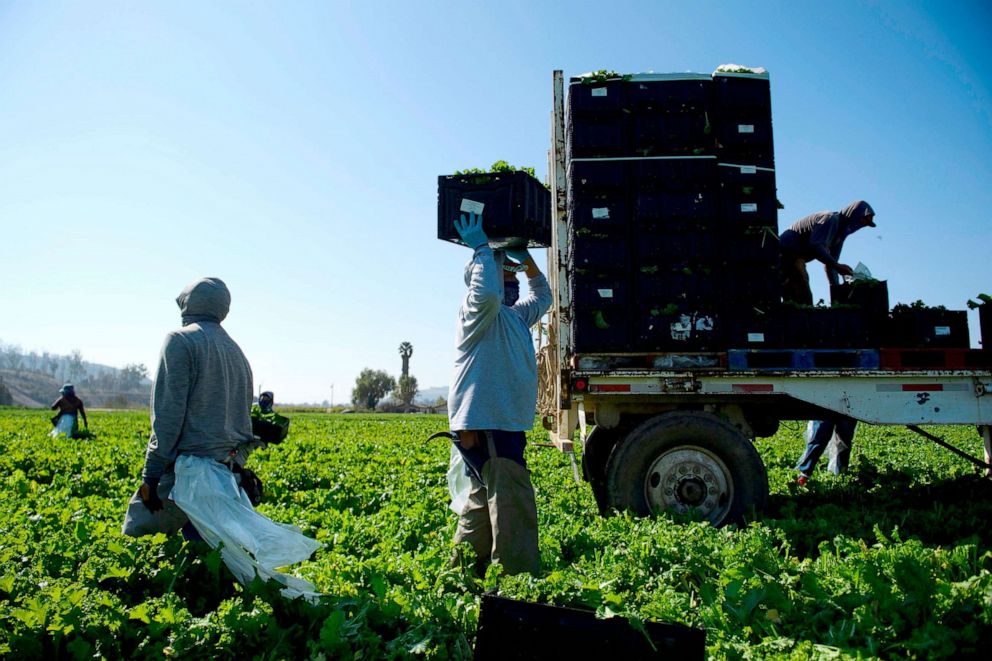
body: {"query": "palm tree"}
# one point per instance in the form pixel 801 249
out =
pixel 406 350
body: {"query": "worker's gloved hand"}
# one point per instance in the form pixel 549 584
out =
pixel 519 255
pixel 844 269
pixel 470 229
pixel 148 492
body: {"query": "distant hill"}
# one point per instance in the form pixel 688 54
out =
pixel 32 379
pixel 430 395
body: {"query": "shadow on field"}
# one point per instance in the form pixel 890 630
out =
pixel 942 513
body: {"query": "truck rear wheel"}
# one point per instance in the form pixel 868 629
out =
pixel 687 461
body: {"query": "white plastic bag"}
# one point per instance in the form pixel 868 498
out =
pixel 65 425
pixel 459 484
pixel 210 496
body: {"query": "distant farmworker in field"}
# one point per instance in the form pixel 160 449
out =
pixel 821 236
pixel 492 399
pixel 200 406
pixel 69 408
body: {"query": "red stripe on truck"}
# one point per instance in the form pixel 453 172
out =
pixel 753 387
pixel 920 387
pixel 612 387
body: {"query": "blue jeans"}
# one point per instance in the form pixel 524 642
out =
pixel 823 431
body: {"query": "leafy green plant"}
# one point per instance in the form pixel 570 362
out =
pixel 498 166
pixel 983 299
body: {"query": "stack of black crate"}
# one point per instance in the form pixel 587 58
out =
pixel 672 214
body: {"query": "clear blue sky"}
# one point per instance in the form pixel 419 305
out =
pixel 292 149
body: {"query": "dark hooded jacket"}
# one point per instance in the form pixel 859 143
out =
pixel 202 396
pixel 821 235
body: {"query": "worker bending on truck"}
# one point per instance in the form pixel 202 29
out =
pixel 821 236
pixel 200 405
pixel 492 400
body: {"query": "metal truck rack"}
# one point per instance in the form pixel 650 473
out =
pixel 680 437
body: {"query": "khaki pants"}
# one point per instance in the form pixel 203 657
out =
pixel 499 520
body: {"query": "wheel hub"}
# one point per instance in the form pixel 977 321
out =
pixel 687 479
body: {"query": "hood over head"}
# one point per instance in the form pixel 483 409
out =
pixel 499 257
pixel 206 299
pixel 68 389
pixel 857 210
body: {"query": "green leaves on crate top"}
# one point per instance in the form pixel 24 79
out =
pixel 601 76
pixel 915 305
pixel 983 299
pixel 498 166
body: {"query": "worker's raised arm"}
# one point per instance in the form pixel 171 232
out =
pixel 538 300
pixel 481 304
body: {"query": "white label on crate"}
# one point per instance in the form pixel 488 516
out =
pixel 471 206
pixel 601 213
pixel 605 293
pixel 749 207
pixel 745 128
pixel 749 169
pixel 599 91
pixel 755 337
pixel 941 331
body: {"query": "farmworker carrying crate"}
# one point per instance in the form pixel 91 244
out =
pixel 201 438
pixel 492 398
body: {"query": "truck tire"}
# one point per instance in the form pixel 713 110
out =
pixel 598 446
pixel 687 461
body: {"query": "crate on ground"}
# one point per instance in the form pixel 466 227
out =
pixel 515 207
pixel 916 327
pixel 688 329
pixel 802 359
pixel 600 329
pixel 935 359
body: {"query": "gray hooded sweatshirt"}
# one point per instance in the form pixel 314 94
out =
pixel 202 397
pixel 494 384
pixel 821 235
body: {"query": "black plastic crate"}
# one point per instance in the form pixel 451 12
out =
pixel 667 288
pixel 670 93
pixel 752 327
pixel 871 296
pixel 600 328
pixel 677 247
pixel 598 290
pixel 677 173
pixel 588 179
pixel 752 244
pixel 745 139
pixel 597 136
pixel 742 207
pixel 661 329
pixel 742 92
pixel 754 284
pixel 594 254
pixel 516 207
pixel 928 328
pixel 985 323
pixel 595 98
pixel 828 328
pixel 657 134
pixel 605 215
pixel 675 209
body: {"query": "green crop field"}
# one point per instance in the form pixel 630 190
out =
pixel 890 560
